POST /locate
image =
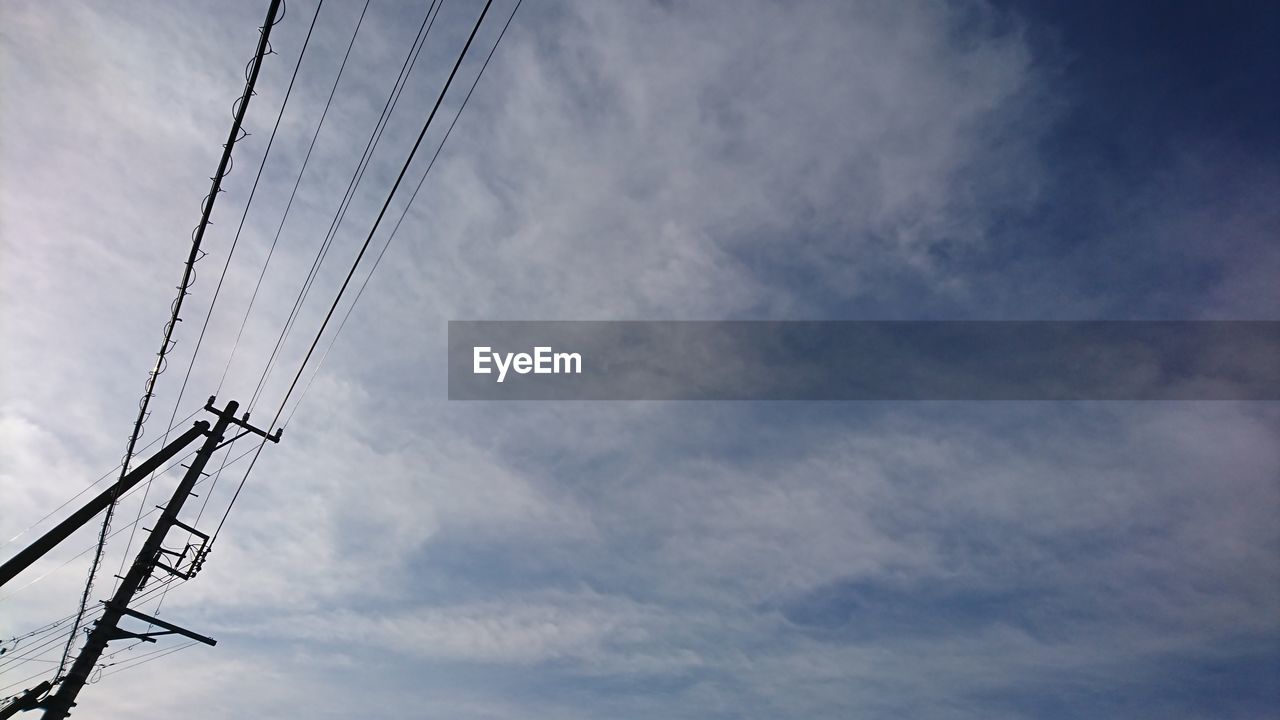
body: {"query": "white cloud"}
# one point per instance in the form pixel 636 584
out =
pixel 623 160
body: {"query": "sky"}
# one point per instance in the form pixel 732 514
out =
pixel 403 555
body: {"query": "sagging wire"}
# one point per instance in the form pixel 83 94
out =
pixel 33 653
pixel 148 657
pixel 12 644
pixel 167 342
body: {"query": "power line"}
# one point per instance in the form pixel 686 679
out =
pixel 20 682
pixel 155 655
pixel 35 642
pixel 396 228
pixel 41 636
pixel 386 203
pixel 91 485
pixel 188 275
pixel 356 263
pixel 218 474
pixel 59 703
pixel 47 643
pixel 148 513
pixel 388 107
pixel 37 647
pixel 164 585
pixel 47 637
pixel 17 639
pixel 280 228
pixel 43 640
pixel 289 205
pixel 231 252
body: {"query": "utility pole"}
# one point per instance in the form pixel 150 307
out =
pixel 151 556
pixel 58 705
pixel 63 530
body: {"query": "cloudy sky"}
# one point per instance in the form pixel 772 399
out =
pixel 406 556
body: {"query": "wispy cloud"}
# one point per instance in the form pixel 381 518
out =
pixel 403 555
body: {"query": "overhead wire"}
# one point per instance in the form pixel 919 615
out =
pixel 49 639
pixel 164 586
pixel 280 228
pixel 383 211
pixel 363 249
pixel 33 653
pixel 36 646
pixel 155 655
pixel 406 68
pixel 388 107
pixel 188 280
pixel 378 260
pixel 31 643
pixel 18 683
pixel 289 205
pixel 91 485
pixel 230 253
pixel 239 109
pixel 16 639
pixel 117 531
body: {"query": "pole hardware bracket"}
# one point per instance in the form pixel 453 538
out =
pixel 196 557
pixel 167 628
pixel 242 422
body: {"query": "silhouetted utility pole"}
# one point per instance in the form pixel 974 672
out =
pixel 152 556
pixel 29 700
pixel 63 530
